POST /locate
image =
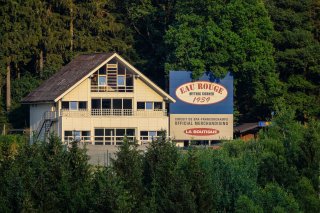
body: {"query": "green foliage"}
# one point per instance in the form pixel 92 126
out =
pixel 167 187
pixel 39 37
pixel 307 196
pixel 245 204
pixel 43 177
pixel 108 193
pixel 129 170
pixel 275 199
pixel 297 53
pixel 221 37
pixel 148 21
pixel 20 88
pixel 278 172
pixel 9 146
pixel 292 148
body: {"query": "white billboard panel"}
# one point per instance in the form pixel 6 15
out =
pixel 201 126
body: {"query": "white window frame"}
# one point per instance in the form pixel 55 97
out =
pixel 149 102
pixel 105 77
pixel 149 137
pixel 77 135
pixel 124 81
pixel 114 136
pixel 77 105
pixel 152 105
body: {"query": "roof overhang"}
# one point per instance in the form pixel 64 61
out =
pixel 38 102
pixel 142 77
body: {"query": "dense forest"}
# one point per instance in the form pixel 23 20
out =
pixel 279 172
pixel 272 49
pixel 270 46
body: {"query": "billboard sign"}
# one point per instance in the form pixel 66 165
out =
pixel 203 108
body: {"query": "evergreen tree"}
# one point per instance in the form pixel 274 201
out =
pixel 233 36
pixel 166 185
pixel 97 30
pixel 147 21
pixel 129 169
pixel 298 53
pixel 19 36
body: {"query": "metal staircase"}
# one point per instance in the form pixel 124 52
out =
pixel 45 125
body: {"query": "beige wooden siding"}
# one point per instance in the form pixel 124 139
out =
pixel 80 93
pixel 144 93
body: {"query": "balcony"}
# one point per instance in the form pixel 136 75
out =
pixel 97 88
pixel 114 113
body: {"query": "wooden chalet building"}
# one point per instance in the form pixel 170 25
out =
pixel 98 99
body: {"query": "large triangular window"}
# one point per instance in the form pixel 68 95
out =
pixel 113 76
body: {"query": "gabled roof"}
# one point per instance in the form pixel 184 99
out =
pixel 74 73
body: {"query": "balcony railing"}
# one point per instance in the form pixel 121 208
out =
pixel 97 140
pixel 106 88
pixel 111 112
pixel 50 115
pixel 114 112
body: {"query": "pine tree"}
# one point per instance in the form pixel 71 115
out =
pixel 19 37
pixel 298 53
pixel 147 21
pixel 167 188
pixel 128 167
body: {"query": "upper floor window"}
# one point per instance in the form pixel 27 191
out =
pixel 115 103
pixel 82 105
pixel 148 105
pixel 102 80
pixel 121 80
pixel 115 106
pixel 74 105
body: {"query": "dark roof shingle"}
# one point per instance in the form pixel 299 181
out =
pixel 69 75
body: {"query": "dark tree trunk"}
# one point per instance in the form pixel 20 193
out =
pixel 8 90
pixel 71 27
pixel 41 62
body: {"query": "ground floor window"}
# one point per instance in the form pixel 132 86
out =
pixel 77 135
pixel 148 136
pixel 112 136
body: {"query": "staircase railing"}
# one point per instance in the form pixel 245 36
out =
pixel 49 116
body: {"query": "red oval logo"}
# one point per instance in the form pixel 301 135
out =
pixel 201 131
pixel 201 93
